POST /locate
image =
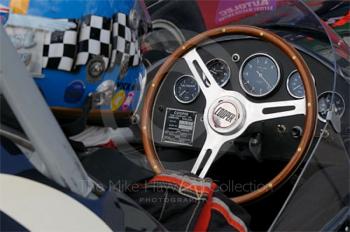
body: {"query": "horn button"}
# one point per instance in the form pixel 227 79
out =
pixel 226 115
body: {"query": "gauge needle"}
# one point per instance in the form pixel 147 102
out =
pixel 297 87
pixel 262 78
pixel 182 93
pixel 213 72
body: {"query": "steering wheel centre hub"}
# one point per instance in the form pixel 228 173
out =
pixel 226 115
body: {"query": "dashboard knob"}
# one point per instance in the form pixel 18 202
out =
pixel 297 132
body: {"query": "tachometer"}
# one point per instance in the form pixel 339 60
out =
pixel 295 85
pixel 220 71
pixel 186 89
pixel 325 104
pixel 259 75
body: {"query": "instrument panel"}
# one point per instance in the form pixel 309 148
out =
pixel 180 103
pixel 259 76
pixel 178 113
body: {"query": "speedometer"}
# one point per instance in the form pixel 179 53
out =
pixel 186 89
pixel 259 75
pixel 220 71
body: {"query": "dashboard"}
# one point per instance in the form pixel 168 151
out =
pixel 259 71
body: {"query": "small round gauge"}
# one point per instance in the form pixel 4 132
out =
pixel 220 71
pixel 259 75
pixel 295 85
pixel 186 89
pixel 324 104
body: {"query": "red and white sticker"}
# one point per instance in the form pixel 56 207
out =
pixel 4 14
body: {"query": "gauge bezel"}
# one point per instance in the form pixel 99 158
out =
pixel 244 64
pixel 318 97
pixel 174 91
pixel 287 84
pixel 229 70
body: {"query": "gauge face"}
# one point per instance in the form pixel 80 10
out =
pixel 324 105
pixel 220 71
pixel 186 89
pixel 259 75
pixel 295 85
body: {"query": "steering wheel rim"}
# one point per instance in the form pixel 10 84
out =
pixel 296 58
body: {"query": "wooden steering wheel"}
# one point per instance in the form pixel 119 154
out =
pixel 242 111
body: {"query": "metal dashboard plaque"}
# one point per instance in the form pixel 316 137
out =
pixel 179 126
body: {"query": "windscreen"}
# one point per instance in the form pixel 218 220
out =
pixel 322 187
pixel 319 199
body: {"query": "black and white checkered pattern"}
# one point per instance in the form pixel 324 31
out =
pixel 111 39
pixel 94 39
pixel 60 48
pixel 135 54
pixel 123 42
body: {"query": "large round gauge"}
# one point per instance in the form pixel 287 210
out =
pixel 295 85
pixel 324 105
pixel 186 89
pixel 220 71
pixel 259 75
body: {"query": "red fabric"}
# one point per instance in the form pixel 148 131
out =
pixel 342 21
pixel 205 215
pixel 110 144
pixel 234 223
pixel 183 184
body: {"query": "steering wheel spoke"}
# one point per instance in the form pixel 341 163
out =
pixel 270 110
pixel 206 82
pixel 209 152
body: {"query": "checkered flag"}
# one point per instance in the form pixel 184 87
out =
pixel 122 42
pixel 94 39
pixel 135 53
pixel 60 48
